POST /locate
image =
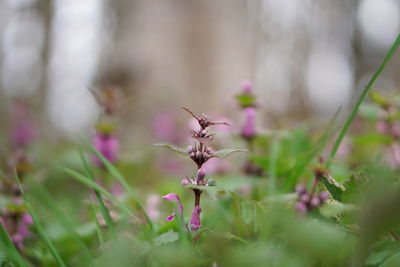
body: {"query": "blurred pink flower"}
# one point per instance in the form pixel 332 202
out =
pixel 164 127
pixel 117 189
pixel 217 166
pixel 22 130
pixel 107 145
pixel 394 156
pixel 382 126
pixel 248 130
pixel 152 203
pixel 20 231
pixel 343 150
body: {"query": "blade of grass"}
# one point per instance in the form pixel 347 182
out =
pixel 39 226
pixel 114 172
pixel 8 245
pixel 361 98
pixel 103 208
pixel 98 228
pixel 45 198
pixel 85 180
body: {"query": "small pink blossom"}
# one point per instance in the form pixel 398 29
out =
pixel 173 198
pixel 107 145
pixel 152 203
pixel 382 127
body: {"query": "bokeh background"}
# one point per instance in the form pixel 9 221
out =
pixel 306 58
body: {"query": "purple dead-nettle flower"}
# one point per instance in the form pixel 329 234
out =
pixel 195 219
pixel 108 145
pixel 174 198
pixel 200 153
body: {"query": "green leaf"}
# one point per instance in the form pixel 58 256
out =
pixel 165 238
pixel 393 261
pixel 381 251
pixel 335 188
pixel 223 153
pixel 246 100
pixel 335 208
pixel 172 147
pixel 379 99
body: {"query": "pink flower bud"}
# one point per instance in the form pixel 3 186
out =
pixel 190 149
pixel 323 196
pixel 315 202
pixel 185 181
pixel 301 207
pixel 300 189
pixel 305 197
pixel 209 150
pixel 198 154
pixel 201 173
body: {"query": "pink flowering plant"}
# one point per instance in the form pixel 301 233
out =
pixel 199 153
